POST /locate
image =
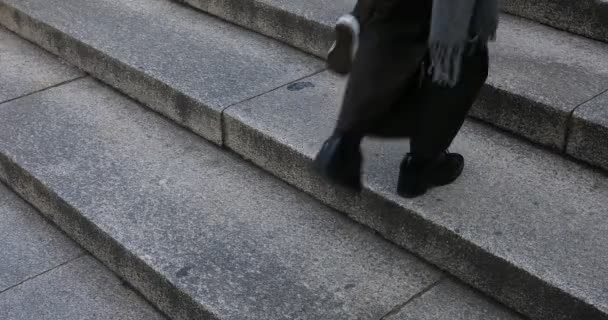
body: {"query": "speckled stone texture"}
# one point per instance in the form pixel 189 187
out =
pixel 198 231
pixel 538 74
pixel 28 244
pixel 184 65
pixel 588 138
pixel 523 225
pixel 584 17
pixel 288 19
pixel 306 25
pixel 451 301
pixel 24 68
pixel 82 289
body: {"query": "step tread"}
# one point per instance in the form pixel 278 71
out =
pixel 45 275
pixel 235 240
pixel 539 54
pixel 296 137
pixel 450 301
pixel 82 289
pixel 584 17
pixel 530 208
pixel 168 45
pixel 20 57
pixel 29 245
pixel 589 132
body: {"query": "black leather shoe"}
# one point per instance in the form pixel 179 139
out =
pixel 416 176
pixel 340 162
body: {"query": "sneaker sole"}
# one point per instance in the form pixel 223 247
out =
pixel 339 58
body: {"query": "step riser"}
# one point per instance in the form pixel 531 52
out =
pixel 160 97
pixel 583 17
pixel 110 252
pixel 510 285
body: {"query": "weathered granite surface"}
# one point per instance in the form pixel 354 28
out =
pixel 588 139
pixel 538 75
pixel 522 224
pixel 82 289
pixel 184 65
pixel 452 301
pixel 26 69
pixel 195 229
pixel 28 244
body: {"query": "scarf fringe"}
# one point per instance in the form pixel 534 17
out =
pixel 453 23
pixel 446 63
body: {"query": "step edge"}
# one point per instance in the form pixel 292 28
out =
pixel 260 149
pixel 160 291
pixel 206 121
pixel 555 141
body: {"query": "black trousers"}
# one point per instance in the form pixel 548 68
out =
pixel 390 94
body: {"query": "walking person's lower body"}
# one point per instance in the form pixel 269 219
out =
pixel 390 94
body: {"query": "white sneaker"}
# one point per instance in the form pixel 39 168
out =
pixel 342 53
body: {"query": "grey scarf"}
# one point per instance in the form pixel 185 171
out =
pixel 452 24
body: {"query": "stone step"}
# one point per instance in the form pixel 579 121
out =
pixel 199 232
pixel 271 104
pixel 583 17
pixel 18 57
pixel 539 80
pixel 523 225
pixel 45 275
pixel 539 76
pixel 161 54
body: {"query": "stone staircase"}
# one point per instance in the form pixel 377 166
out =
pixel 203 234
pixel 545 85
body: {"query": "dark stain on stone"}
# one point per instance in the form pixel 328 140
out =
pixel 183 272
pixel 349 286
pixel 17 18
pixel 300 86
pixel 498 233
pixel 184 106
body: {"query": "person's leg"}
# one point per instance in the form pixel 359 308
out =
pixel 440 116
pixel 363 10
pixel 387 63
pixel 387 60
